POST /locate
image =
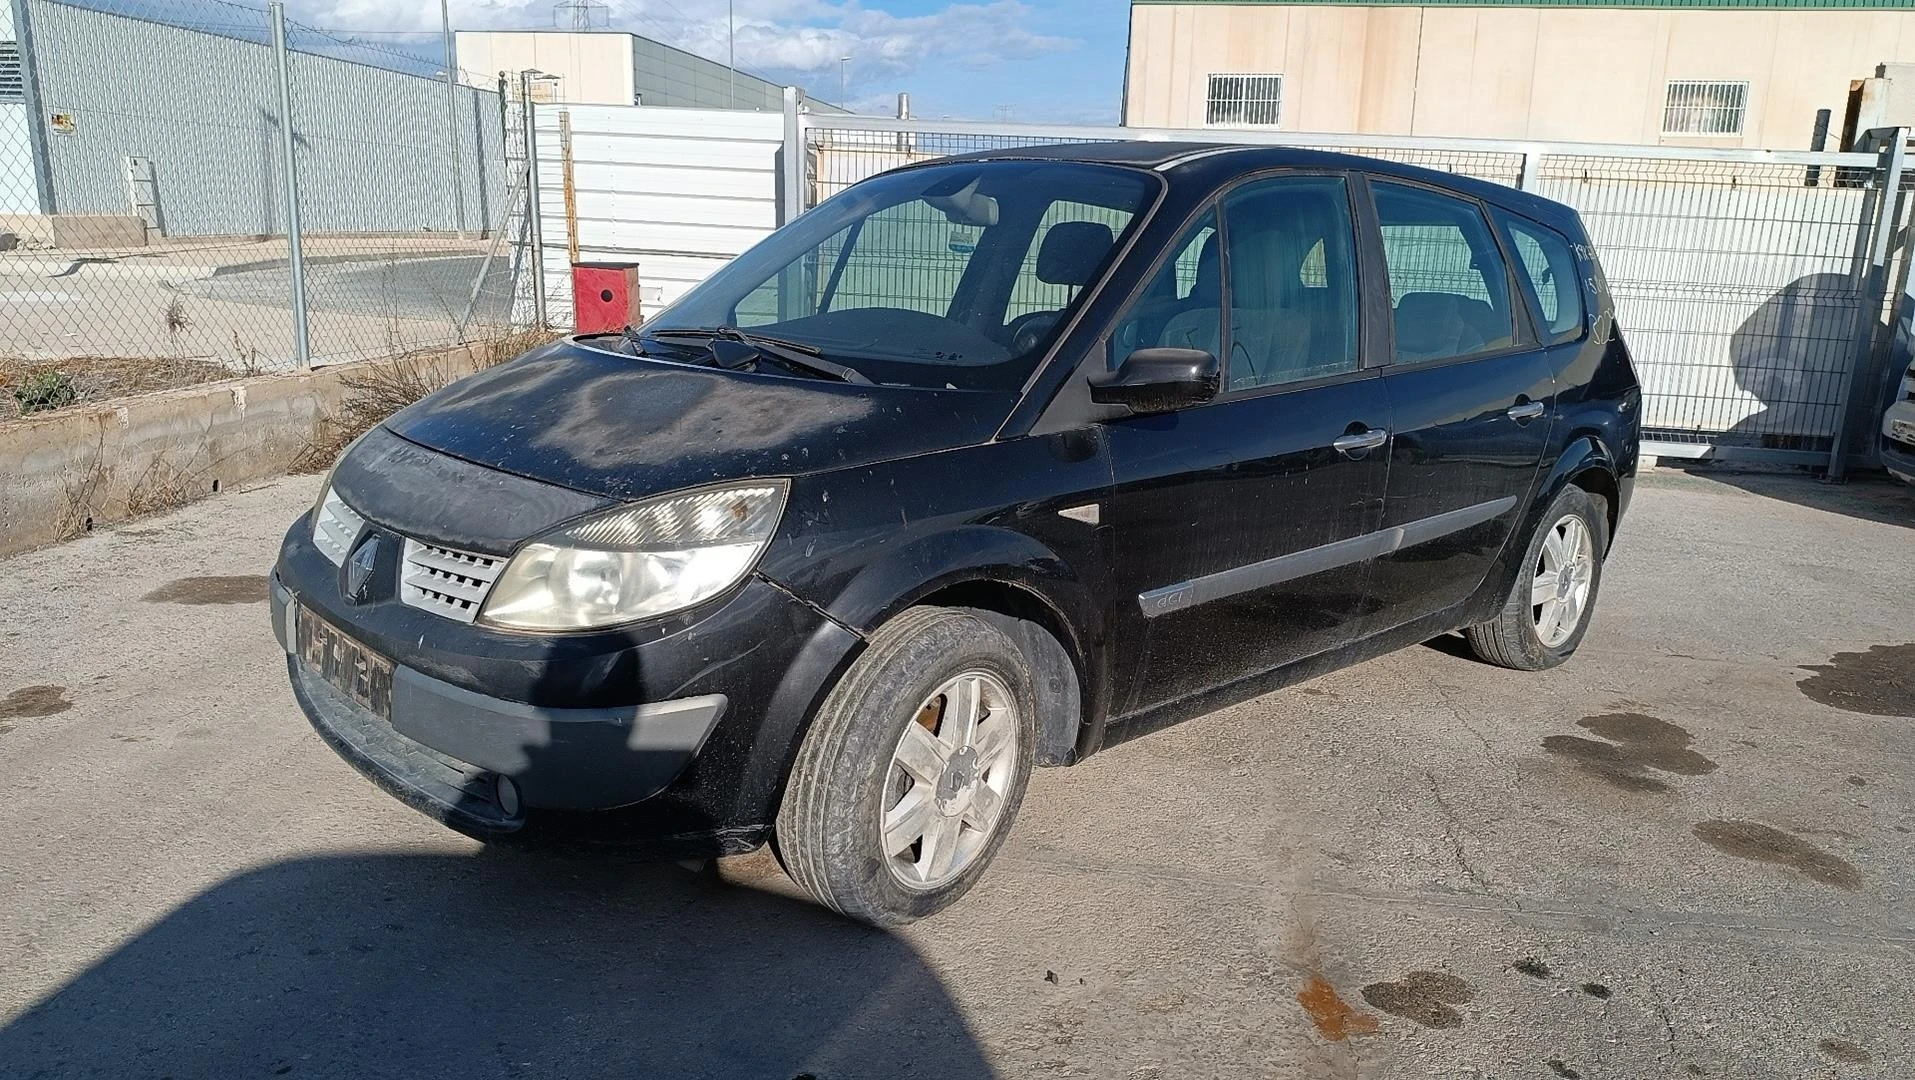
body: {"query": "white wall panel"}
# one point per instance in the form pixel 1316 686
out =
pixel 679 192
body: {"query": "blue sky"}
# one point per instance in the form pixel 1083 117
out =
pixel 1056 60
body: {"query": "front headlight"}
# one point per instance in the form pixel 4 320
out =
pixel 639 561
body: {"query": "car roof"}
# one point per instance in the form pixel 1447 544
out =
pixel 1214 164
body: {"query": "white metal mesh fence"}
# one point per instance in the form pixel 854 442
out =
pixel 1741 281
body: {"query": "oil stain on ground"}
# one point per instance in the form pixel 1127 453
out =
pixel 1335 1020
pixel 1844 1051
pixel 1636 743
pixel 1748 840
pixel 1422 996
pixel 241 589
pixel 1879 682
pixel 32 701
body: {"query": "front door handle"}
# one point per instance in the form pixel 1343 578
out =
pixel 1358 443
pixel 1524 411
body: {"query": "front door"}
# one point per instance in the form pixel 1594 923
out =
pixel 1242 527
pixel 1472 393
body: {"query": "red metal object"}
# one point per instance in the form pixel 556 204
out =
pixel 604 297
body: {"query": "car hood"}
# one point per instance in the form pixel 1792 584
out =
pixel 626 427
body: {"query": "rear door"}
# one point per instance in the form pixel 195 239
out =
pixel 1241 528
pixel 1472 394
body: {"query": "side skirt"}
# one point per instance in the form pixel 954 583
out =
pixel 1176 712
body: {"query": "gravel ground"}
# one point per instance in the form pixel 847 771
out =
pixel 1686 853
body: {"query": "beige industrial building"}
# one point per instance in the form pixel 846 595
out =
pixel 1727 73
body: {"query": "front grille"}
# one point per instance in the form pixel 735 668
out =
pixel 336 527
pixel 446 581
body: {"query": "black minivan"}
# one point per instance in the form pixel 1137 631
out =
pixel 983 464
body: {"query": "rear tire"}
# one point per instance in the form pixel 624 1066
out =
pixel 1549 607
pixel 930 733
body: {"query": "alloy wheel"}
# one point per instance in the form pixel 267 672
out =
pixel 1565 569
pixel 949 779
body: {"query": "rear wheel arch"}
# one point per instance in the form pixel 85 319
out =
pixel 1599 481
pixel 1587 464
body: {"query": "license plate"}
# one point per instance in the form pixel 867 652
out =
pixel 347 666
pixel 1901 431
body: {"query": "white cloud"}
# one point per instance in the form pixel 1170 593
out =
pixel 781 37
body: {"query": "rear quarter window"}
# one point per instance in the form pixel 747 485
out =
pixel 1550 275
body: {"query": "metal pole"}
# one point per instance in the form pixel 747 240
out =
pixel 1875 280
pixel 731 53
pixel 295 255
pixel 794 150
pixel 844 83
pixel 1531 180
pixel 533 222
pixel 452 122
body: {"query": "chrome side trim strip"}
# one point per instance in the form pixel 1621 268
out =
pixel 1297 564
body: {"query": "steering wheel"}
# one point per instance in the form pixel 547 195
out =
pixel 1029 330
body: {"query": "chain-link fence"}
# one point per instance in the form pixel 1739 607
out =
pixel 151 226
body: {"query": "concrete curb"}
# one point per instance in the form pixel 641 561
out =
pixel 71 470
pixel 119 269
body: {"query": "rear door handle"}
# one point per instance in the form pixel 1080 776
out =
pixel 1356 444
pixel 1524 412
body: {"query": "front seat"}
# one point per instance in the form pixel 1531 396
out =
pixel 1070 255
pixel 1199 324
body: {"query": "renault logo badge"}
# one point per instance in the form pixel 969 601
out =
pixel 359 569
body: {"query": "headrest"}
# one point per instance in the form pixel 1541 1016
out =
pixel 1072 252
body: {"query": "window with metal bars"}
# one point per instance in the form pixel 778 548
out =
pixel 1705 107
pixel 1244 100
pixel 12 87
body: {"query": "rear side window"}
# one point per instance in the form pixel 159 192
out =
pixel 1448 285
pixel 1549 273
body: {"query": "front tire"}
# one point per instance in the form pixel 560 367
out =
pixel 913 770
pixel 1549 607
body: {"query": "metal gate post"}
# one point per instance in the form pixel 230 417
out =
pixel 534 223
pixel 295 254
pixel 1873 295
pixel 1532 177
pixel 792 177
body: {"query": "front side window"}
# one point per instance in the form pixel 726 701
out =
pixel 951 275
pixel 1182 307
pixel 1291 253
pixel 1449 289
pixel 1549 272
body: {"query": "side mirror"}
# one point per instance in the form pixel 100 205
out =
pixel 1159 380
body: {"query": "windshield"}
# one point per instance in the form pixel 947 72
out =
pixel 947 276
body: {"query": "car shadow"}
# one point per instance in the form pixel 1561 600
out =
pixel 1867 496
pixel 504 963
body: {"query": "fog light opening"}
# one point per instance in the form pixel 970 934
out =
pixel 507 793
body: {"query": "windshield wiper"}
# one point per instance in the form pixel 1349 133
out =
pixel 792 353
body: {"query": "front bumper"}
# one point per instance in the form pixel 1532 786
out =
pixel 565 759
pixel 675 736
pixel 1898 441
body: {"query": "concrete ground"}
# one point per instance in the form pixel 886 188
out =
pixel 1686 853
pixel 231 301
